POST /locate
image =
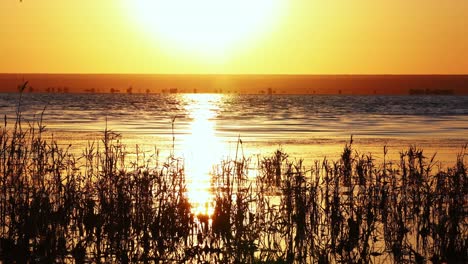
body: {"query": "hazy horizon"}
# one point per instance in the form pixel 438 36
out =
pixel 238 83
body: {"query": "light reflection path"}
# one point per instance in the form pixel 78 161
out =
pixel 202 150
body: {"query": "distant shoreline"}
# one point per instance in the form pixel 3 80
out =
pixel 346 84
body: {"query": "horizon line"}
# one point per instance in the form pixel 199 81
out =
pixel 245 74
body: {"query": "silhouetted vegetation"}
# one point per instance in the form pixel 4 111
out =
pixel 108 206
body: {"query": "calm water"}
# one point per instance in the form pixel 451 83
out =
pixel 207 127
pixel 307 126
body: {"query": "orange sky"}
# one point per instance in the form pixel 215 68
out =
pixel 300 37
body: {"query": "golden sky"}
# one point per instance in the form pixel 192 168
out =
pixel 268 37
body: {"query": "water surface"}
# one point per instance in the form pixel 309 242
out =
pixel 308 126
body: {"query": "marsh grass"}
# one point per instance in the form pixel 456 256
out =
pixel 101 207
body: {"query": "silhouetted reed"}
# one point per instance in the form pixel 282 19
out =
pixel 108 206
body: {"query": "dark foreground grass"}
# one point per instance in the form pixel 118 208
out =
pixel 101 207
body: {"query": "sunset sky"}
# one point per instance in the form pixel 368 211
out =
pixel 251 37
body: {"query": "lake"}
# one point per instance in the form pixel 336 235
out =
pixel 305 126
pixel 355 208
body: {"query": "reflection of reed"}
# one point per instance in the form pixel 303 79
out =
pixel 58 207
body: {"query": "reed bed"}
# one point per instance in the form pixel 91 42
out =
pixel 102 207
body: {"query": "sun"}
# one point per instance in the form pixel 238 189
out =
pixel 205 26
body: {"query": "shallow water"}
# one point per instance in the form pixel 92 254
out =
pixel 306 126
pixel 209 127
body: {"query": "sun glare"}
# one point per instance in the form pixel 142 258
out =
pixel 209 27
pixel 202 150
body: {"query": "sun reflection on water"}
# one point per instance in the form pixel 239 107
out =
pixel 202 150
